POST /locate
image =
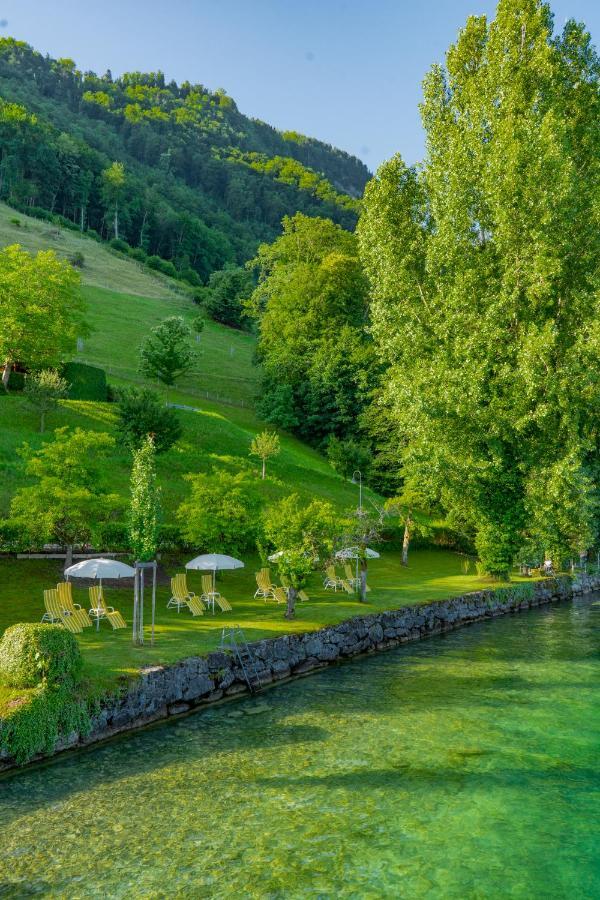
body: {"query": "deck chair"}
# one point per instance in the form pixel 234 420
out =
pixel 181 597
pixel 352 579
pixel 55 614
pixel 302 595
pixel 65 598
pixel 210 595
pixel 265 587
pixel 99 609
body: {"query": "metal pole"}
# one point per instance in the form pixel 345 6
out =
pixel 135 603
pixel 354 474
pixel 153 601
pixel 141 614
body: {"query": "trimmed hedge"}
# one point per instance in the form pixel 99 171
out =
pixel 35 726
pixel 86 382
pixel 33 653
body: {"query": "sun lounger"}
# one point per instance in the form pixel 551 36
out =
pixel 65 598
pixel 100 610
pixel 55 614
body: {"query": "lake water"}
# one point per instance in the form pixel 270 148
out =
pixel 466 766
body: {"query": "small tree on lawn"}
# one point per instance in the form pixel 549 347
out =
pixel 141 414
pixel 365 528
pixel 403 506
pixel 222 513
pixel 306 535
pixel 144 508
pixel 43 390
pixel 166 353
pixel 265 445
pixel 67 499
pixel 295 566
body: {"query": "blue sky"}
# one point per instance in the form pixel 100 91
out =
pixel 346 71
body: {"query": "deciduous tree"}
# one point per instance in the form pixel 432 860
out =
pixel 484 268
pixel 43 390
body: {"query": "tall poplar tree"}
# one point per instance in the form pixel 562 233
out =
pixel 484 265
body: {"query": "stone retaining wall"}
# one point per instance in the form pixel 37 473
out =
pixel 163 691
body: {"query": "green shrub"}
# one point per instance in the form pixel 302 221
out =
pixel 16 381
pixel 77 259
pixel 121 246
pixel 162 265
pixel 347 456
pixel 171 539
pixel 16 222
pixel 86 382
pixel 12 537
pixel 35 726
pixel 112 536
pixel 141 413
pixel 139 254
pixel 32 653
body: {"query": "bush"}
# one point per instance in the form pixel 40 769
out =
pixel 170 539
pixel 16 222
pixel 139 254
pixel 91 232
pixel 141 413
pixel 112 536
pixel 162 265
pixel 347 456
pixel 191 276
pixel 38 213
pixel 12 537
pixel 86 382
pixel 35 726
pixel 16 381
pixel 121 246
pixel 34 653
pixel 77 259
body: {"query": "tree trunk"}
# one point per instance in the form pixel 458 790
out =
pixel 363 581
pixel 69 556
pixel 116 223
pixel 141 240
pixel 406 540
pixel 82 219
pixel 291 603
pixel 264 462
pixel 6 374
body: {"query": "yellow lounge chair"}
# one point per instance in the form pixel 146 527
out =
pixel 353 580
pixel 265 588
pixel 65 598
pixel 99 609
pixel 302 595
pixel 56 614
pixel 211 596
pixel 180 597
pixel 333 580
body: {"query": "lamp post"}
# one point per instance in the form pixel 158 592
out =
pixel 359 482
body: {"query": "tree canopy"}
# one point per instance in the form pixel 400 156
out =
pixel 484 267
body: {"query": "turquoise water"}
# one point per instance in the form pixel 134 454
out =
pixel 466 766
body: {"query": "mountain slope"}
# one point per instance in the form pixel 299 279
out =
pixel 203 184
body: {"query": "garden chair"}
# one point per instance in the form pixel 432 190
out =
pixel 65 598
pixel 182 597
pixel 99 609
pixel 265 588
pixel 193 600
pixel 352 579
pixel 56 614
pixel 302 595
pixel 211 596
pixel 333 580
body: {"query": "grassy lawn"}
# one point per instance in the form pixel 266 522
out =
pixel 431 575
pixel 101 268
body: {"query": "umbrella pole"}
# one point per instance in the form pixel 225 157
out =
pixel 97 615
pixel 214 589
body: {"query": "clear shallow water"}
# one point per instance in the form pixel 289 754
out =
pixel 466 766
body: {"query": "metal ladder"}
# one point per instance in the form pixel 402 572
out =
pixel 234 642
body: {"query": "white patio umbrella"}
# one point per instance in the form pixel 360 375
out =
pixel 275 556
pixel 356 553
pixel 213 562
pixel 99 568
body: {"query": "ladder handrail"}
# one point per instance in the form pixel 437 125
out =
pixel 237 644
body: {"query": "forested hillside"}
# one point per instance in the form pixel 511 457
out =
pixel 176 171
